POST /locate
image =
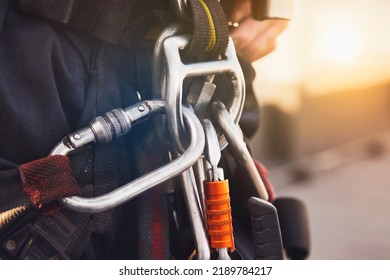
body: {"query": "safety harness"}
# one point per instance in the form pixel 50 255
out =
pixel 35 187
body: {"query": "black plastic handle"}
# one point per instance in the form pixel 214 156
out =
pixel 267 238
pixel 294 224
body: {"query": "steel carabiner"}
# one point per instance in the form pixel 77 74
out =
pixel 225 121
pixel 114 124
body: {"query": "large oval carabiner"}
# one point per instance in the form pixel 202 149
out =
pixel 120 122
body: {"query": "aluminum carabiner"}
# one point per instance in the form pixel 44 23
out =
pixel 114 124
pixel 225 121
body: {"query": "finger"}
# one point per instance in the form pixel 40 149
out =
pixel 266 43
pixel 258 39
pixel 247 31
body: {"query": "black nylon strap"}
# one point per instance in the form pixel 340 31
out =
pixel 64 229
pixel 201 32
pixel 198 47
pixel 221 28
pixel 62 235
pixel 152 208
pixel 109 158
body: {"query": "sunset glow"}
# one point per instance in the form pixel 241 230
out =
pixel 341 43
pixel 329 47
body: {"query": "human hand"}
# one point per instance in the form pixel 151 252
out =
pixel 252 39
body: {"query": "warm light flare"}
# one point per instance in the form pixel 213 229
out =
pixel 340 43
pixel 330 46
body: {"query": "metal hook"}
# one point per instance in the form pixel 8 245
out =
pixel 145 182
pixel 238 146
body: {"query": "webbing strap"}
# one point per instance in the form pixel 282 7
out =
pixel 221 28
pixel 153 226
pixel 210 30
pixel 109 158
pixel 66 230
pixel 62 235
pixel 212 36
pixel 153 223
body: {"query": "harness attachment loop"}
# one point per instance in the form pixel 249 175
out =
pixel 210 34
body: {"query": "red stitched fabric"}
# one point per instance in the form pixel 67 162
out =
pixel 157 227
pixel 48 179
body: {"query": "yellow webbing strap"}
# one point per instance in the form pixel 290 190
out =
pixel 213 35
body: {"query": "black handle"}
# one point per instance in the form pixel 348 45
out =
pixel 267 238
pixel 294 223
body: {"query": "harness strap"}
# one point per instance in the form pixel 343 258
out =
pixel 62 235
pixel 221 28
pixel 109 162
pixel 210 30
pixel 153 223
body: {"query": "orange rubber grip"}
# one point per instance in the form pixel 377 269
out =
pixel 219 216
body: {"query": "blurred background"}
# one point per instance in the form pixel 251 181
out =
pixel 325 131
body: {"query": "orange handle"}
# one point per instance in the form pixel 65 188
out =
pixel 219 217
